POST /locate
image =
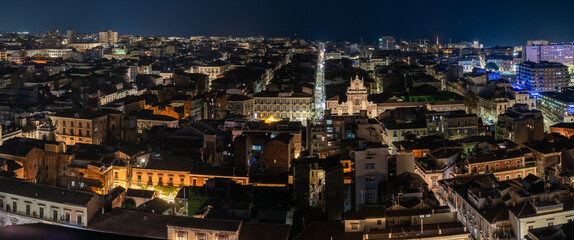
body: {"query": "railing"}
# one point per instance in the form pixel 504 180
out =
pixel 36 216
pixel 415 234
pixel 549 207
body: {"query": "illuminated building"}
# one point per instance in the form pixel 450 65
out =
pixel 49 53
pixel 157 172
pixel 109 37
pixel 4 56
pixel 212 70
pixel 357 100
pixel 24 203
pixel 565 129
pixel 468 64
pixel 284 104
pixel 491 106
pixel 556 105
pixel 519 124
pixel 371 168
pixel 542 76
pixel 240 105
pixel 553 52
pixel 80 127
pixel 387 43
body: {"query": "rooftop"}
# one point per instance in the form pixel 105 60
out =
pixel 44 192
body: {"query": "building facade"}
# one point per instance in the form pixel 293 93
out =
pixel 543 76
pixel 80 127
pixel 370 171
pixel 286 104
pixel 357 100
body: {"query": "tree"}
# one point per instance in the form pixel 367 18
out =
pixel 470 101
pixel 491 66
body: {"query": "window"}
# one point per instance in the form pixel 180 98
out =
pixel 41 212
pixel 222 238
pixel 379 222
pixel 369 165
pixel 149 180
pixel 201 236
pixel 67 217
pixel 370 197
pixel 79 219
pixel 370 181
pixel 550 224
pixel 354 226
pixel 15 206
pixel 139 178
pixel 180 235
pixel 116 174
pixel 27 209
pixel 55 215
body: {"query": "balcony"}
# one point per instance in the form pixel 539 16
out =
pixel 22 218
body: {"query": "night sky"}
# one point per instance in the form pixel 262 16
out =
pixel 500 22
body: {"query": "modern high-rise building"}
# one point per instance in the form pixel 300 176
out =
pixel 110 37
pixel 553 52
pixel 543 76
pixel 387 43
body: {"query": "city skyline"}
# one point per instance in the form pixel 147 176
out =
pixel 293 120
pixel 340 21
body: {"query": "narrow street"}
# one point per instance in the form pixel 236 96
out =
pixel 319 108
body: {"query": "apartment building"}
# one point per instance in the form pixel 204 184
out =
pixel 543 76
pixel 284 104
pixel 24 202
pixel 77 126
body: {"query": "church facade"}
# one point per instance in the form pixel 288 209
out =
pixel 356 101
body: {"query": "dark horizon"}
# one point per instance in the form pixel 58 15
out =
pixel 492 23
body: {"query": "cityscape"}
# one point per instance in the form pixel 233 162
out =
pixel 242 133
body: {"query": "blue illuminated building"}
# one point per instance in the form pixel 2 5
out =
pixel 557 104
pixel 543 76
